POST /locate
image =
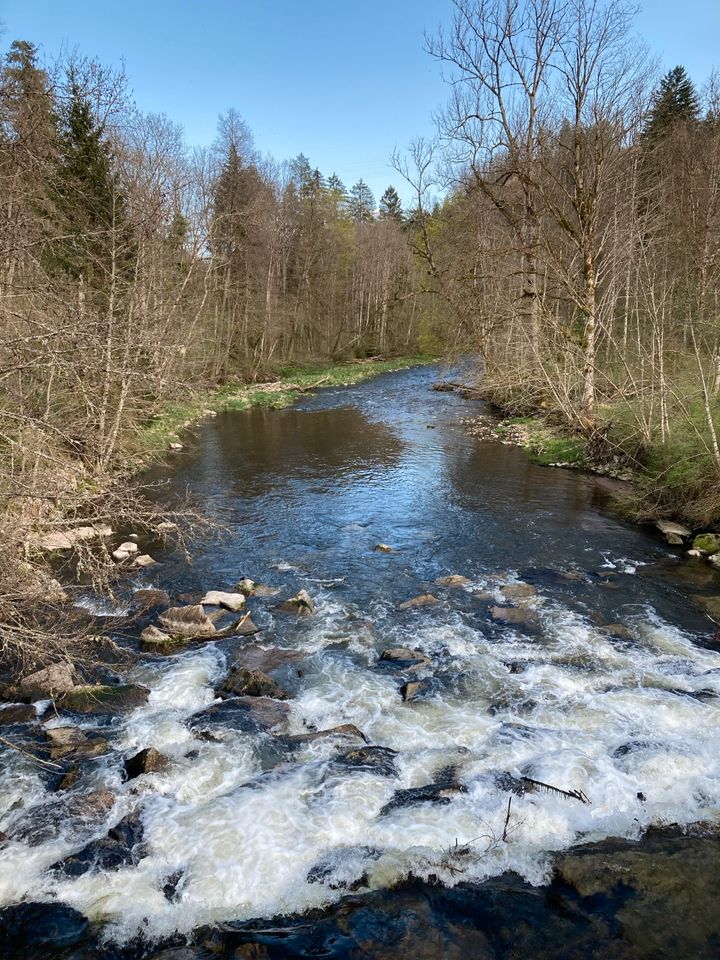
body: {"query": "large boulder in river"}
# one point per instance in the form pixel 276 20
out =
pixel 51 682
pixel 405 658
pixel 252 683
pixel 105 698
pixel 190 622
pixel 217 598
pixel 518 591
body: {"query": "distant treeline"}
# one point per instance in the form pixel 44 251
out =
pixel 133 268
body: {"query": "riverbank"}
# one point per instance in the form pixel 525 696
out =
pixel 661 482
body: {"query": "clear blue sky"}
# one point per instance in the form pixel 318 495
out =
pixel 342 81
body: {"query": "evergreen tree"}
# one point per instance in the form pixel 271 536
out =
pixel 27 114
pixel 361 203
pixel 88 208
pixel 675 101
pixel 390 206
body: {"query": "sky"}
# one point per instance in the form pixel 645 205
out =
pixel 342 81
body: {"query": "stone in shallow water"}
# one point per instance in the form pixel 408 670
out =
pixel 50 682
pixel 513 614
pixel 101 698
pixel 301 604
pixel 252 683
pixel 454 580
pixel 148 760
pixel 219 598
pixel 424 600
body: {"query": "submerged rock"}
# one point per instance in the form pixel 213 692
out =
pixel 513 614
pixel 405 658
pixel 441 793
pixel 148 760
pixel 218 598
pixel 248 714
pixel 380 760
pixel 424 600
pixel 382 548
pixel 518 591
pixel 454 580
pixel 190 622
pixel 101 698
pixel 252 683
pixel 79 811
pixel 344 730
pixel 17 713
pixel 121 847
pixel 148 598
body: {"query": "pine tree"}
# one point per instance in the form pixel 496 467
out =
pixel 390 206
pixel 27 113
pixel 361 204
pixel 675 101
pixel 88 208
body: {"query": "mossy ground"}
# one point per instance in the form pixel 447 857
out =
pixel 549 446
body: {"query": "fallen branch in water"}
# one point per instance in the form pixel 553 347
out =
pixel 507 820
pixel 31 756
pixel 558 791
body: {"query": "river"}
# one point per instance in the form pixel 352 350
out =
pixel 599 677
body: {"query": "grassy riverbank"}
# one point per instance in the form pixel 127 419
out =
pixel 672 477
pixel 288 383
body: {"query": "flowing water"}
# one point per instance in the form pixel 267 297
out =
pixel 603 681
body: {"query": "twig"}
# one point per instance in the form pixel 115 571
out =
pixel 44 763
pixel 507 820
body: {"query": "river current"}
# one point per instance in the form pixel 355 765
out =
pixel 601 680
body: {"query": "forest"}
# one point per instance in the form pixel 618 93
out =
pixel 564 229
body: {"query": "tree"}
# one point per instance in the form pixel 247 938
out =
pixel 675 101
pixel 361 203
pixel 88 240
pixel 390 206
